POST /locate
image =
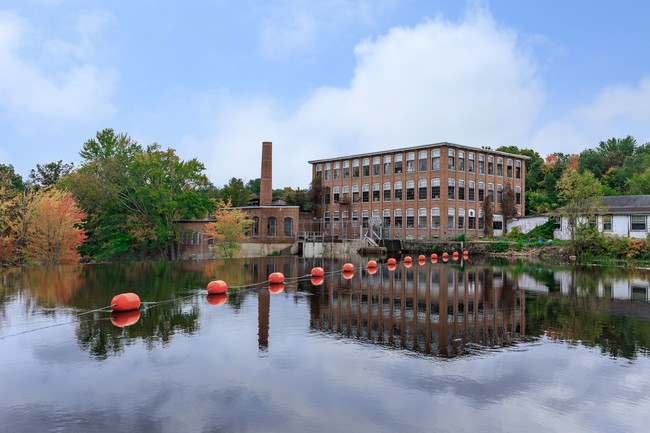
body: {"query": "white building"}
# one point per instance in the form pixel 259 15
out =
pixel 625 215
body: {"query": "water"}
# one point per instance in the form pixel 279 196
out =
pixel 434 347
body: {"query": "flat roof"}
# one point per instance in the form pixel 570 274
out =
pixel 423 146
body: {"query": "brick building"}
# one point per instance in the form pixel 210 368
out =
pixel 422 192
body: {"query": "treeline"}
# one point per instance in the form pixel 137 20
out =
pixel 119 204
pixel 620 165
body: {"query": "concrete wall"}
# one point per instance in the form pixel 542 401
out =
pixel 526 224
pixel 261 250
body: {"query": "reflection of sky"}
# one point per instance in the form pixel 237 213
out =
pixel 216 379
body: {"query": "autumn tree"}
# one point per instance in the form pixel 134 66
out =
pixel 228 230
pixel 508 205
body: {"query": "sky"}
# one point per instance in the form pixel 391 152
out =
pixel 213 79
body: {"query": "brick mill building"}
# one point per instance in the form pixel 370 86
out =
pixel 422 192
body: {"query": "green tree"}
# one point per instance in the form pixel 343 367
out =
pixel 236 192
pixel 580 194
pixel 49 174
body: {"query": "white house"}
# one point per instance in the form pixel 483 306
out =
pixel 626 215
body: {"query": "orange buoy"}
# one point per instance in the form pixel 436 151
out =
pixel 276 278
pixel 317 272
pixel 408 259
pixel 125 318
pixel 219 299
pixel 348 274
pixel 348 267
pixel 391 266
pixel 445 256
pixel 465 254
pixel 434 256
pixel 372 271
pixel 317 281
pixel 216 287
pixel 276 288
pixel 455 255
pixel 125 302
pixel 372 264
pixel 392 261
pixel 408 264
pixel 434 260
pixel 421 262
pixel 421 257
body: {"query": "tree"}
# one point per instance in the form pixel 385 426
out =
pixel 229 229
pixel 488 215
pixel 54 233
pixel 581 195
pixel 253 186
pixel 49 174
pixel 235 192
pixel 508 205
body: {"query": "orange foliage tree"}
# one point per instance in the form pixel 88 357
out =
pixel 53 234
pixel 229 229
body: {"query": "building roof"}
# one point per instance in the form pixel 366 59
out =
pixel 627 204
pixel 423 146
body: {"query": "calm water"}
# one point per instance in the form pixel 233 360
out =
pixel 434 347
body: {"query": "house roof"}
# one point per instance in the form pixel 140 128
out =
pixel 627 204
pixel 414 148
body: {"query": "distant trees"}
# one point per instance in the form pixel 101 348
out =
pixel 580 193
pixel 49 174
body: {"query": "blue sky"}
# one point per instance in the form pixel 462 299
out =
pixel 213 79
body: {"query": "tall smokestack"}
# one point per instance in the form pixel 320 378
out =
pixel 267 174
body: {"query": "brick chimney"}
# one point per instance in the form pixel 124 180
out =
pixel 267 174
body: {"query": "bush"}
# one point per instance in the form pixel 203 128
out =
pixel 501 247
pixel 545 231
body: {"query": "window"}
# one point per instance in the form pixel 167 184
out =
pixel 364 219
pixel 481 164
pixel 345 198
pixel 499 194
pixel 461 219
pixel 346 169
pixel 410 162
pixel 435 159
pixel 344 215
pixel 271 226
pixel 470 191
pixel 410 190
pixel 451 190
pixel 461 160
pixel 518 170
pixel 398 191
pixel 355 193
pixel 471 220
pixel 422 218
pixel 327 195
pixel 336 194
pixel 557 223
pixel 450 218
pixel 500 167
pixel 422 189
pixel 376 161
pixel 481 191
pixel 365 193
pixel 255 227
pixel 355 169
pixel 451 159
pixel 410 218
pixel 470 164
pixel 607 222
pixel 490 166
pixel 422 160
pixel 461 189
pixel 386 218
pixel 491 192
pixel 365 168
pixel 355 218
pixel 638 222
pixel 335 219
pixel 387 165
pixel 328 172
pixel 386 191
pixel 398 164
pixel 435 189
pixel 497 225
pixel 518 195
pixel 319 170
pixel 509 172
pixel 435 218
pixel 398 218
pixel 481 220
pixel 337 170
pixel 375 193
pixel 288 227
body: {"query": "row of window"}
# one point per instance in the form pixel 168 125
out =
pixel 637 223
pixel 271 227
pixel 455 220
pixel 460 190
pixel 345 170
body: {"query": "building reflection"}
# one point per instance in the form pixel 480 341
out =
pixel 432 309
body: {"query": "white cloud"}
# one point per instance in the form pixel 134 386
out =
pixel 618 111
pixel 470 82
pixel 35 88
